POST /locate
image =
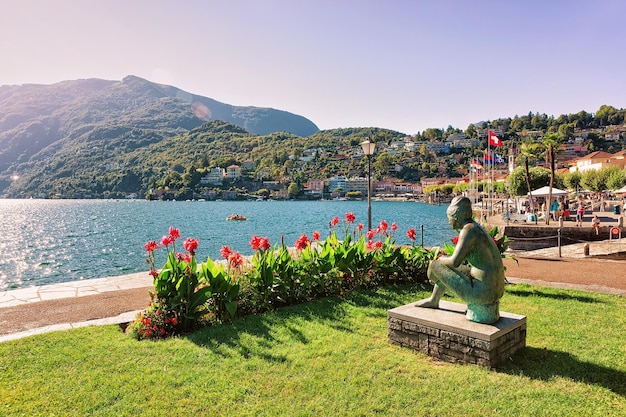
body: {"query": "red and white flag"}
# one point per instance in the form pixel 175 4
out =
pixel 494 140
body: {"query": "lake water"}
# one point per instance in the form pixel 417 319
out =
pixel 50 241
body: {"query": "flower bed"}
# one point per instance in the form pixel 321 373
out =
pixel 188 295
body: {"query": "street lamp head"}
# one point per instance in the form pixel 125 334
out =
pixel 368 147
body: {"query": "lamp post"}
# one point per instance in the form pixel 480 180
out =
pixel 368 150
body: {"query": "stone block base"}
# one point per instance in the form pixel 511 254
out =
pixel 446 334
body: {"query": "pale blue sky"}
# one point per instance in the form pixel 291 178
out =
pixel 402 65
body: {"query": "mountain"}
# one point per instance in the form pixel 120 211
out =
pixel 38 121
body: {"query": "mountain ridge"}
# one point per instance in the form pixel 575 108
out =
pixel 32 116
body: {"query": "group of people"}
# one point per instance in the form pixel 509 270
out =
pixel 560 208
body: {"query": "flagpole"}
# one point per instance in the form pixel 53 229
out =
pixel 490 168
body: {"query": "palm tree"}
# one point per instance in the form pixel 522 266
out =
pixel 528 151
pixel 550 143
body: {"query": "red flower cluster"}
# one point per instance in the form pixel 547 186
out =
pixel 151 246
pixel 371 245
pixel 316 235
pixel 225 252
pixel 233 258
pixel 302 242
pixel 411 234
pixel 334 222
pixel 171 237
pixel 236 260
pixel 174 233
pixel 350 217
pixel 191 245
pixel 259 243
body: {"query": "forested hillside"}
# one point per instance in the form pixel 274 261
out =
pixel 101 139
pixel 43 128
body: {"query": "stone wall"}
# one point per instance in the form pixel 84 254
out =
pixel 531 237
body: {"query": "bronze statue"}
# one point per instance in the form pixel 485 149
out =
pixel 474 272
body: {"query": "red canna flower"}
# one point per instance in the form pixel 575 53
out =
pixel 394 226
pixel 259 243
pixel 316 235
pixel 191 245
pixel 383 226
pixel 370 234
pixel 360 226
pixel 350 217
pixel 455 240
pixel 302 242
pixel 225 252
pixel 166 241
pixel 411 234
pixel 174 233
pixel 264 243
pixel 254 242
pixel 154 273
pixel 334 222
pixel 378 245
pixel 370 245
pixel 151 246
pixel 235 260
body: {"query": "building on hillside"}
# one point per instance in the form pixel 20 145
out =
pixel 597 161
pixel 314 187
pixel 384 186
pixel 356 184
pixel 569 151
pixel 440 148
pixel 403 187
pixel 233 172
pixel 336 183
pixel 612 137
pixel 460 140
pixel 214 177
pixel 434 181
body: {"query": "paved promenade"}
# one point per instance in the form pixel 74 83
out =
pixel 34 310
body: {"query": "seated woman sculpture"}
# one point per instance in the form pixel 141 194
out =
pixel 474 272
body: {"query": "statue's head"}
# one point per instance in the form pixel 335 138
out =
pixel 459 211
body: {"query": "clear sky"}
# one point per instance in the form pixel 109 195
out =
pixel 403 65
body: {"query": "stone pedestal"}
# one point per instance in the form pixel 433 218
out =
pixel 446 334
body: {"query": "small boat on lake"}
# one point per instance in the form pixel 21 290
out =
pixel 236 216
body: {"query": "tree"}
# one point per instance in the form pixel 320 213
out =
pixel 528 151
pixel 616 178
pixel 521 185
pixel 550 142
pixel 293 190
pixel 572 180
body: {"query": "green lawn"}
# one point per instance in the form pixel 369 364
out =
pixel 327 358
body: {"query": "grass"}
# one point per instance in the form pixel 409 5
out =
pixel 327 358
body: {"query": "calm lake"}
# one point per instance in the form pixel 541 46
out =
pixel 50 241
